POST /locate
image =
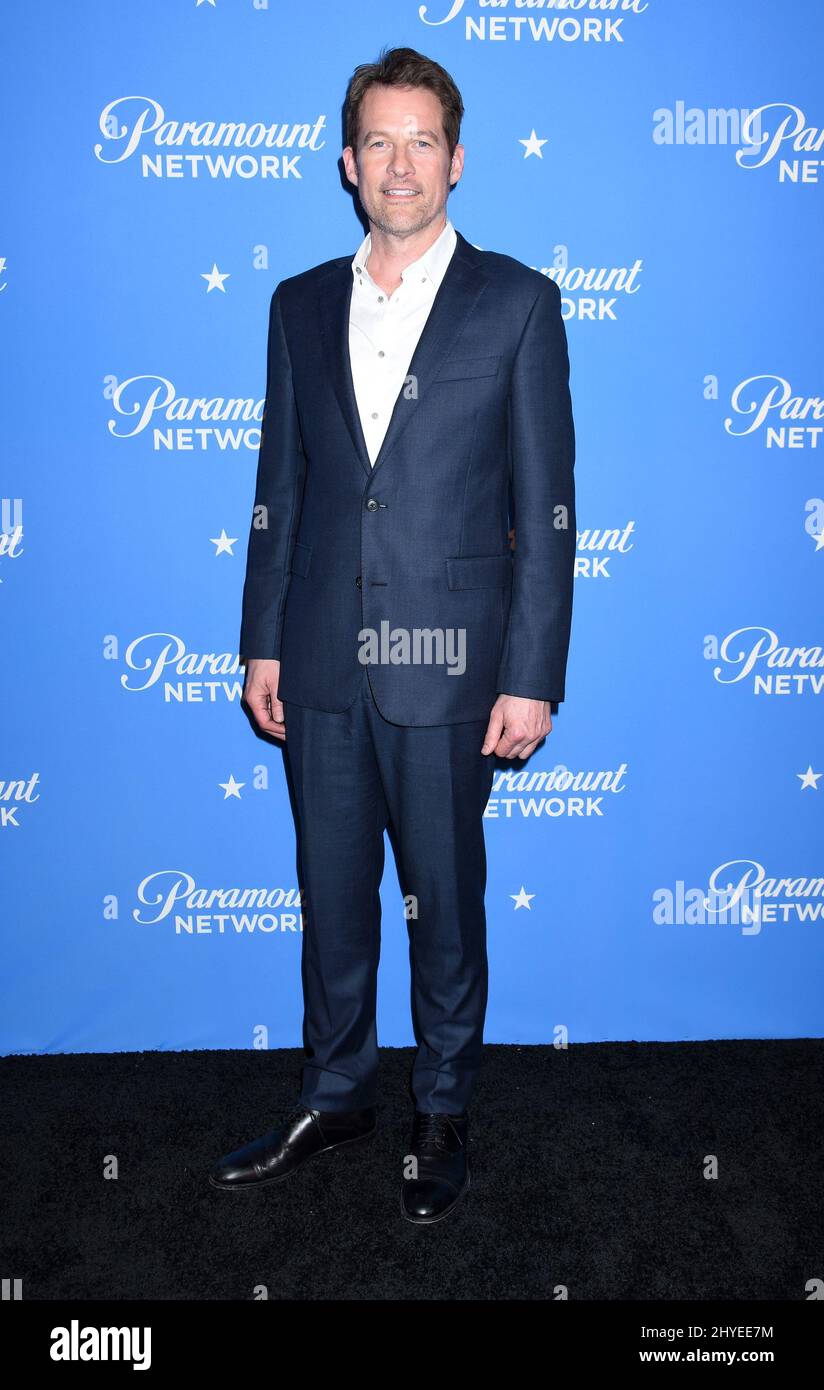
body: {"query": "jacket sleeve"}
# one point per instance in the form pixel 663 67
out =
pixel 542 458
pixel 278 492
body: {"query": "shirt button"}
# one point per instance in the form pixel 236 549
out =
pixel 374 414
pixel 380 298
pixel 381 353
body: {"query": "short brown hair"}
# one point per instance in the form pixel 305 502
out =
pixel 403 67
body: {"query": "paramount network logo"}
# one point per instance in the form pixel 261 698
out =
pixel 553 793
pixel 15 796
pixel 595 548
pixel 775 133
pixel 787 143
pixel 591 293
pixel 174 149
pixel 775 669
pixel 740 893
pixel 171 895
pixel 587 24
pixel 761 402
pixel 150 403
pixel 161 661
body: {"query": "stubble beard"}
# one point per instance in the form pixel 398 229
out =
pixel 427 214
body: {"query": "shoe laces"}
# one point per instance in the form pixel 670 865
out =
pixel 430 1131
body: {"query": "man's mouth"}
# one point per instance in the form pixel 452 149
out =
pixel 400 193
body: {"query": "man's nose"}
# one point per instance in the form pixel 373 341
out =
pixel 400 164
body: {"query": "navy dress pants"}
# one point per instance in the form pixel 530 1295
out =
pixel 353 775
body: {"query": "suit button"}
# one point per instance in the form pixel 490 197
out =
pixel 371 505
pixel 359 582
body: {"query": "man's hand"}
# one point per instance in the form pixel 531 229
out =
pixel 261 695
pixel 516 726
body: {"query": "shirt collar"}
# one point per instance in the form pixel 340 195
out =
pixel 432 264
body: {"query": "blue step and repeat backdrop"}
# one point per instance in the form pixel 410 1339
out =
pixel 656 868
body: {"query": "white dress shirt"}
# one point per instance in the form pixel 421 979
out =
pixel 384 330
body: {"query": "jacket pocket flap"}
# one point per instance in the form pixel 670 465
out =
pixel 457 368
pixel 478 571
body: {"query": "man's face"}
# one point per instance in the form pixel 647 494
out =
pixel 401 166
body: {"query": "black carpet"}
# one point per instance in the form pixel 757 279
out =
pixel 587 1174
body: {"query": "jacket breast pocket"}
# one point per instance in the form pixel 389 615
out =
pixel 460 368
pixel 301 559
pixel 478 571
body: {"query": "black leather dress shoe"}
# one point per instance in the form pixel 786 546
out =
pixel 439 1145
pixel 287 1147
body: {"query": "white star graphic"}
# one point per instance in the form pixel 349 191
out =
pixel 533 145
pixel 224 543
pixel 522 899
pixel 214 279
pixel 819 540
pixel 202 2
pixel 809 779
pixel 231 788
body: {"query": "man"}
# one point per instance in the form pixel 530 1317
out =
pixel 392 638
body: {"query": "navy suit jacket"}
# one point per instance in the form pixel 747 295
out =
pixel 481 439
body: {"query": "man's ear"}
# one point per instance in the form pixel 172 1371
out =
pixel 350 162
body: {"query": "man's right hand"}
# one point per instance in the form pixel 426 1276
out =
pixel 261 695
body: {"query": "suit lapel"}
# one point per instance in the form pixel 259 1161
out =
pixel 462 285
